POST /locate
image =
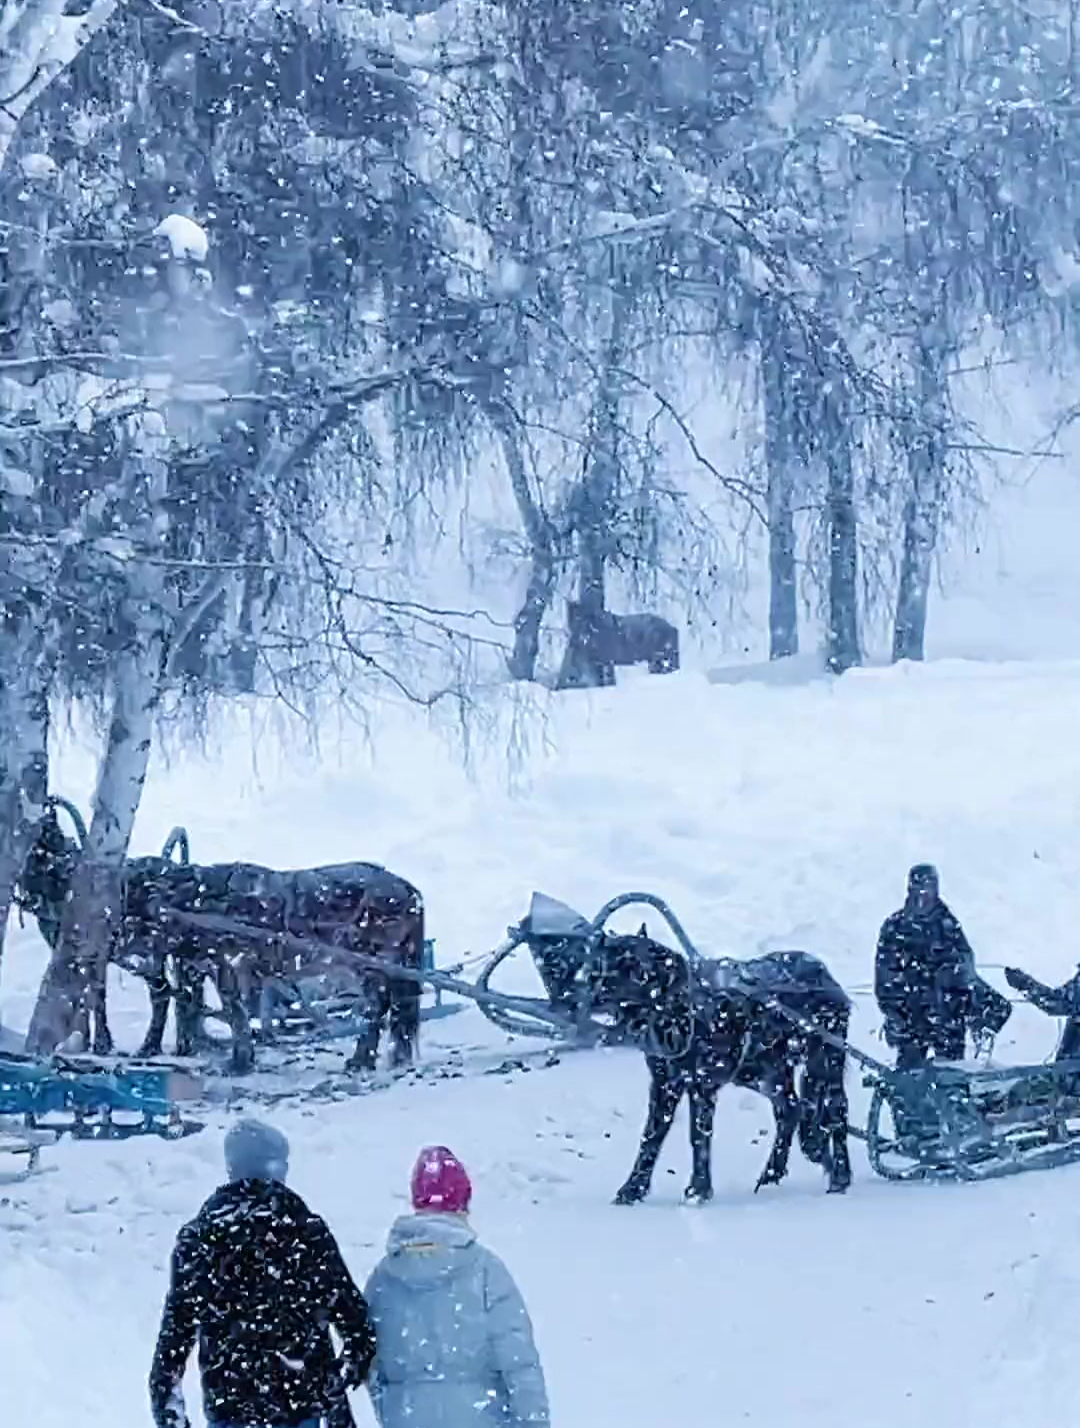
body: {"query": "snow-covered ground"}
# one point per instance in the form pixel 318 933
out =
pixel 768 814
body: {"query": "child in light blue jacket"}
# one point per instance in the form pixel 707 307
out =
pixel 454 1342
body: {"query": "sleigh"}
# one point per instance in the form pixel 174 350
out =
pixel 322 1008
pixel 953 1121
pixel 90 1098
pixel 943 1121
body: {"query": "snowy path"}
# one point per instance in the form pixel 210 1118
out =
pixel 765 816
pixel 906 1304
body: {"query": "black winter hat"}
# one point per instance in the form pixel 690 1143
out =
pixel 922 875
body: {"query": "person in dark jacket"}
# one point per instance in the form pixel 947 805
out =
pixel 258 1280
pixel 925 980
pixel 1054 1001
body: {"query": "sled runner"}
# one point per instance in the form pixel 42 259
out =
pixel 21 1148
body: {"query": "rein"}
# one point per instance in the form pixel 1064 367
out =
pixel 662 1051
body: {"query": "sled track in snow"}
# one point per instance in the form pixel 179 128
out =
pixel 325 1084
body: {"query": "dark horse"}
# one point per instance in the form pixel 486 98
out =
pixel 598 640
pixel 348 907
pixel 717 1023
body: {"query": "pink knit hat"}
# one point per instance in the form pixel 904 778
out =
pixel 440 1182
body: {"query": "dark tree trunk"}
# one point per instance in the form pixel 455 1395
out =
pixel 780 461
pixel 843 623
pixel 594 509
pixel 592 582
pixel 927 456
pixel 521 661
pixel 583 665
pixel 542 537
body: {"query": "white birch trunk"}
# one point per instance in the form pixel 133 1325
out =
pixel 38 42
pixel 76 976
pixel 94 908
pixel 75 980
pixel 24 733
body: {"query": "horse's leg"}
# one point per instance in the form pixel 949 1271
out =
pixel 405 996
pixel 157 984
pixel 831 1066
pixel 703 1093
pixel 838 1160
pixel 404 1022
pixel 257 986
pixel 245 982
pixel 783 1097
pixel 192 967
pixel 374 1003
pixel 665 1093
pixel 232 1004
pixel 160 993
pixel 188 978
pixel 267 1002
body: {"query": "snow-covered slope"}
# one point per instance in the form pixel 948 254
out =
pixel 767 815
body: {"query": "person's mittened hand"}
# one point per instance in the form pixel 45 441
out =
pixel 176 1411
pixel 1016 979
pixel 351 1373
pixel 893 1032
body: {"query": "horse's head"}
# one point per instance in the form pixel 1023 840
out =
pixel 50 864
pixel 644 985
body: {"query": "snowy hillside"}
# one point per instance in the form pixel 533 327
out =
pixel 767 816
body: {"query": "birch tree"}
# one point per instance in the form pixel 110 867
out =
pixel 38 41
pixel 200 479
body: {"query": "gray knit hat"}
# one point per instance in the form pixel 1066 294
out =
pixel 256 1151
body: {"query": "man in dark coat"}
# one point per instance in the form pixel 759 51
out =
pixel 258 1280
pixel 1054 1001
pixel 925 979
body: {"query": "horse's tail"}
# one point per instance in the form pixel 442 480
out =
pixel 822 1096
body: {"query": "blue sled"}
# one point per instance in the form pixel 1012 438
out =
pixel 88 1093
